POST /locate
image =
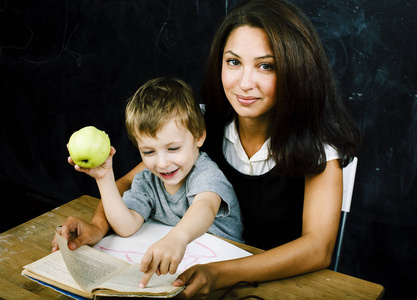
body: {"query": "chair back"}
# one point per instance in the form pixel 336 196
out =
pixel 349 173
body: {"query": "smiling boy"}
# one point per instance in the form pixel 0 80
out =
pixel 180 186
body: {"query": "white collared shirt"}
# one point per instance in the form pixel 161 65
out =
pixel 261 162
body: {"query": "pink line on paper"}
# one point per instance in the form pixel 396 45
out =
pixel 195 253
pixel 125 252
pixel 193 258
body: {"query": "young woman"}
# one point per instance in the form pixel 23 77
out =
pixel 279 132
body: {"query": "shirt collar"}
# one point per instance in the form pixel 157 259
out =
pixel 232 135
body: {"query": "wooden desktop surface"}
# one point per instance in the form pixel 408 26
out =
pixel 31 241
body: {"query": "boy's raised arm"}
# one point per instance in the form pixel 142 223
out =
pixel 165 255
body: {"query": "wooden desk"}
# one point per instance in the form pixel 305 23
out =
pixel 32 240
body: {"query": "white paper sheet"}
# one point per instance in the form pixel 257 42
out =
pixel 205 249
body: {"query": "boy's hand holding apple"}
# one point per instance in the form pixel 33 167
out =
pixel 90 152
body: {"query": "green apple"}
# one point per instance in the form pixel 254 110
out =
pixel 89 147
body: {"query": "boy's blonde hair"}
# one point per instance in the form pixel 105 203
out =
pixel 160 100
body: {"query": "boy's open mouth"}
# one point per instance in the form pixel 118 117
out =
pixel 169 174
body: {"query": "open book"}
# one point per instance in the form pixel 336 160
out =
pixel 111 268
pixel 88 272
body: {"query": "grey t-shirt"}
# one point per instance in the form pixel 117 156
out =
pixel 149 198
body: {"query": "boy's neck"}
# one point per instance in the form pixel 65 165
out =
pixel 173 190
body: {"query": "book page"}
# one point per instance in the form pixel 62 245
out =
pixel 52 267
pixel 205 249
pixel 90 267
pixel 128 282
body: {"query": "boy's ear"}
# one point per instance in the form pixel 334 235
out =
pixel 201 139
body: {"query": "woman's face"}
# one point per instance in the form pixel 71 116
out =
pixel 248 72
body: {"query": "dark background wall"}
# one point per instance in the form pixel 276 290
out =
pixel 68 64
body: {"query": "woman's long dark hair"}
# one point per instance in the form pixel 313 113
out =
pixel 308 111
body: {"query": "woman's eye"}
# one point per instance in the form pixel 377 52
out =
pixel 266 67
pixel 232 62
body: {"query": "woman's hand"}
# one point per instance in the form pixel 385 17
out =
pixel 162 257
pixel 200 281
pixel 78 233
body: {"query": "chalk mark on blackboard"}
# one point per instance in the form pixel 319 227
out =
pixel 4 7
pixel 158 37
pixel 64 46
pixel 24 23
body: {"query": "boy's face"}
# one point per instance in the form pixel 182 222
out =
pixel 171 154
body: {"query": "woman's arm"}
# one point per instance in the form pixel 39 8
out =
pixel 311 252
pixel 79 233
pixel 124 183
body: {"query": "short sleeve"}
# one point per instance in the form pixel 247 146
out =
pixel 207 177
pixel 140 197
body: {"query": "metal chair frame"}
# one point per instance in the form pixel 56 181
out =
pixel 349 174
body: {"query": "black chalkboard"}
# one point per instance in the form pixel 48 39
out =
pixel 372 47
pixel 67 64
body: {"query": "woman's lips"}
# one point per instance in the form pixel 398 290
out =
pixel 246 100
